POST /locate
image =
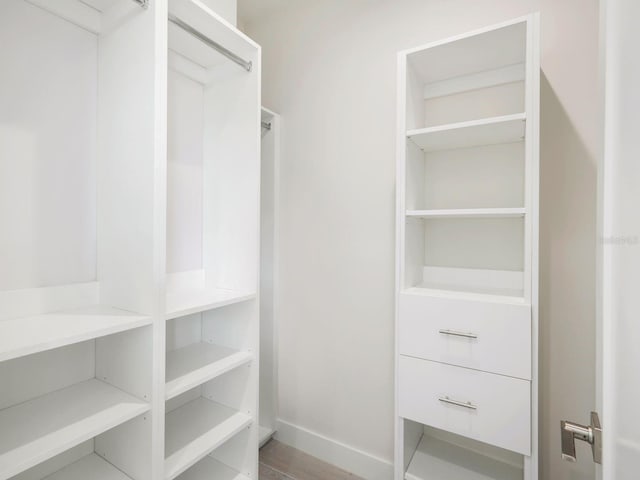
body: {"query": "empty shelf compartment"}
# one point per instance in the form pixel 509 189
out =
pixel 27 335
pixel 36 430
pixel 195 364
pixel 435 459
pixel 196 429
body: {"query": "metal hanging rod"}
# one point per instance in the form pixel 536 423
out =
pixel 247 65
pixel 266 125
pixel 142 3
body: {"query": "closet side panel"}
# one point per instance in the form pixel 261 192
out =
pixel 131 161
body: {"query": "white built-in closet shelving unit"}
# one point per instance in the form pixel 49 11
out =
pixel 269 188
pixel 467 256
pixel 129 200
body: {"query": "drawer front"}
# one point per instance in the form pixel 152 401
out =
pixel 492 337
pixel 483 406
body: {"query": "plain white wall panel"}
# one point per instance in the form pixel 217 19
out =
pixel 490 101
pixel 32 376
pixel 496 244
pixel 184 174
pixel 48 122
pixel 488 176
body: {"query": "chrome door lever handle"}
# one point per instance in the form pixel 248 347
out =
pixel 592 434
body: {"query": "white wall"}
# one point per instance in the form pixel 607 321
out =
pixel 330 70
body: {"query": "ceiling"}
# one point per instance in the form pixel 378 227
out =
pixel 250 10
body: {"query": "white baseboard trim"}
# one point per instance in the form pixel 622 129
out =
pixel 336 453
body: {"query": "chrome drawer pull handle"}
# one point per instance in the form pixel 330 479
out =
pixel 454 333
pixel 458 403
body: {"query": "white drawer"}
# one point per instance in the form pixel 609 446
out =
pixel 499 409
pixel 493 337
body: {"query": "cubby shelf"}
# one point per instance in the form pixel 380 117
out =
pixel 435 459
pixel 193 365
pixel 468 213
pixel 196 429
pixel 187 54
pixel 91 467
pixel 186 302
pixel 474 133
pixel 28 335
pixel 209 468
pixel 39 429
pixel 495 295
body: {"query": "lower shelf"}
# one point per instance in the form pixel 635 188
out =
pixel 198 363
pixel 196 429
pixel 435 459
pixel 90 467
pixel 34 431
pixel 208 468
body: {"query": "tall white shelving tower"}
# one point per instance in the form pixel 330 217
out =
pixel 129 199
pixel 467 256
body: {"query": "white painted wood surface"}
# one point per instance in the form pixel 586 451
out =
pixel 502 413
pixel 467 210
pixel 90 243
pixel 195 364
pixel 34 431
pixel 619 229
pixel 269 227
pixel 490 131
pixel 468 213
pixel 92 466
pixel 195 430
pixel 28 335
pixel 209 468
pixel 509 74
pixel 476 281
pixel 498 336
pixel 186 302
pixel 438 460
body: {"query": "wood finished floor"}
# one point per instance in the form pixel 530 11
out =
pixel 282 462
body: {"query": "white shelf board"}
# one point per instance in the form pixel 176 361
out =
pixel 494 295
pixel 477 80
pixel 468 213
pixel 185 302
pixel 27 335
pixel 435 459
pixel 89 467
pixel 199 16
pixel 196 429
pixel 487 131
pixel 264 435
pixel 34 431
pixel 208 469
pixel 198 363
